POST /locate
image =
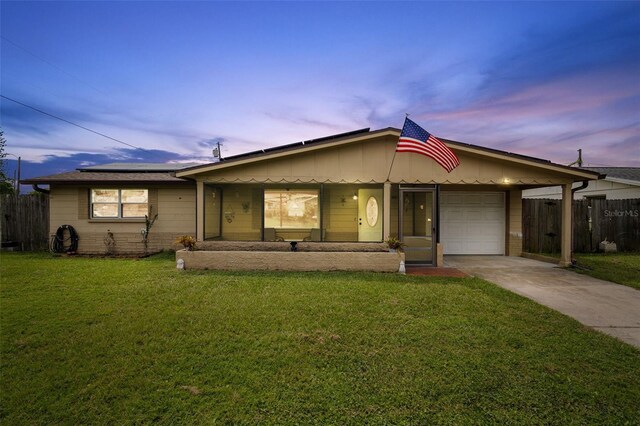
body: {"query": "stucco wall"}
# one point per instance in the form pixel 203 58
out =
pixel 290 261
pixel 175 207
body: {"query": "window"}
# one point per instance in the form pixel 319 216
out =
pixel 291 209
pixel 119 203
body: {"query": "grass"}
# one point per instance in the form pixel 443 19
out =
pixel 109 341
pixel 621 268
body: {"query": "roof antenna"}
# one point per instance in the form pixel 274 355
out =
pixel 579 160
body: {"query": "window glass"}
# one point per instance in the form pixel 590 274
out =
pixel 119 203
pixel 134 196
pixel 134 210
pixel 104 195
pixel 291 209
pixel 105 210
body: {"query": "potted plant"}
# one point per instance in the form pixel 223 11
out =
pixel 187 241
pixel 394 244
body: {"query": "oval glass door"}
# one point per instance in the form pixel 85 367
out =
pixel 372 211
pixel 369 215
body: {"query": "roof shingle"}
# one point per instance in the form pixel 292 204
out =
pixel 105 177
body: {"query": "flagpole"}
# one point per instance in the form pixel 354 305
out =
pixel 392 161
pixel 395 151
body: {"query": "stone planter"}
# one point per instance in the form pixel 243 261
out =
pixel 290 261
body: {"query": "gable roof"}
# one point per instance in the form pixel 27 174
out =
pixel 627 175
pixel 364 134
pixel 117 173
pixel 107 177
pixel 138 167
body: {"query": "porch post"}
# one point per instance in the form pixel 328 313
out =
pixel 566 230
pixel 386 211
pixel 199 210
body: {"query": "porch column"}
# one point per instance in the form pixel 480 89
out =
pixel 566 230
pixel 386 210
pixel 199 210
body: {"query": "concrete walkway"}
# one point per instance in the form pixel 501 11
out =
pixel 611 308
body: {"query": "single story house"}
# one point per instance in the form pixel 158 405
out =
pixel 620 183
pixel 351 187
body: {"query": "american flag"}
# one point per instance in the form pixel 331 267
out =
pixel 415 139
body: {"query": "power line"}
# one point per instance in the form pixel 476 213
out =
pixel 52 64
pixel 69 122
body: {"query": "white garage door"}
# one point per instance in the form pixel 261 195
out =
pixel 472 222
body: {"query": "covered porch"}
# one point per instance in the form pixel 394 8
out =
pixel 430 220
pixel 353 188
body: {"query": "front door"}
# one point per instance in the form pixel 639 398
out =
pixel 370 215
pixel 417 225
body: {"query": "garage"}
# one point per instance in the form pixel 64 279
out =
pixel 472 222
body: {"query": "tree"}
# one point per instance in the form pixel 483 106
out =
pixel 6 184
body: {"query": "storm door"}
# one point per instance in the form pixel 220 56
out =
pixel 417 224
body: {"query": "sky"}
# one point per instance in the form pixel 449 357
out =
pixel 169 80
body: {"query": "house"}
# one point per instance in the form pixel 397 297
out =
pixel 351 187
pixel 620 183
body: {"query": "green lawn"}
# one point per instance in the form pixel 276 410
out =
pixel 111 341
pixel 621 268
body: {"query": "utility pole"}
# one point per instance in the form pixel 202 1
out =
pixel 18 182
pixel 217 152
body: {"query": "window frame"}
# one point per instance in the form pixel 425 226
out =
pixel 291 190
pixel 119 203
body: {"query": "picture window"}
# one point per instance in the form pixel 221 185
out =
pixel 119 203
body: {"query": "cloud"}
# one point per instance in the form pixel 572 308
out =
pixel 53 164
pixel 612 40
pixel 210 143
pixel 23 119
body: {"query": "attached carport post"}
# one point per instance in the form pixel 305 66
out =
pixel 566 230
pixel 200 210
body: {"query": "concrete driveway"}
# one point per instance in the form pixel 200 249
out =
pixel 611 308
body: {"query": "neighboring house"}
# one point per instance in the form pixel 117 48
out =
pixel 620 183
pixel 342 188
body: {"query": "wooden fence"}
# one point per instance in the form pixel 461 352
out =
pixel 25 220
pixel 593 222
